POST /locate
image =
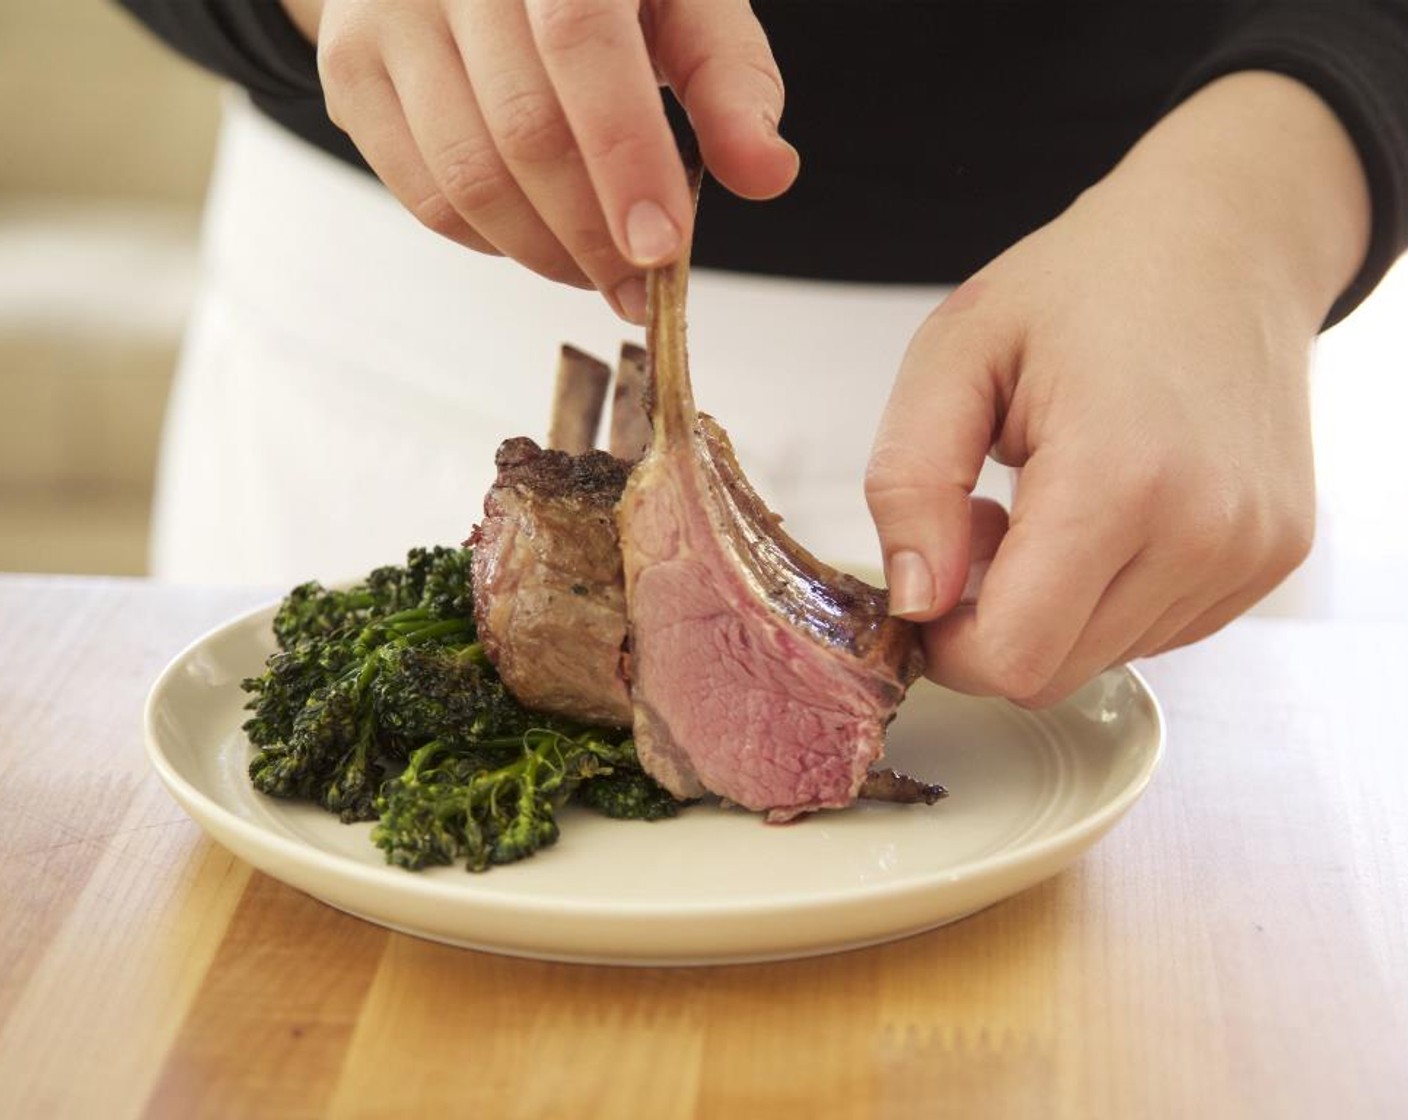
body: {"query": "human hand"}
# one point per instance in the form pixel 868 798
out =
pixel 1143 358
pixel 534 129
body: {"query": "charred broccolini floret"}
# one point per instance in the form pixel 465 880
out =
pixel 444 692
pixel 380 703
pixel 447 806
pixel 628 793
pixel 435 582
pixel 313 706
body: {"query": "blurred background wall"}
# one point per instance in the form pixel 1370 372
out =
pixel 105 145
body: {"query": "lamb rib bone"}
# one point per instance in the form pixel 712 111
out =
pixel 577 401
pixel 757 672
pixel 630 421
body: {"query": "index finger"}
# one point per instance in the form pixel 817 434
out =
pixel 929 450
pixel 595 54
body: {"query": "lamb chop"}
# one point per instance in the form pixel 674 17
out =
pixel 549 595
pixel 758 673
pixel 551 607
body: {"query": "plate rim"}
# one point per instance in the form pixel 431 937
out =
pixel 275 845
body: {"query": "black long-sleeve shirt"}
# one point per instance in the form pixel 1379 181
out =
pixel 937 132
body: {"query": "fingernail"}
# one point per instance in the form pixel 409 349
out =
pixel 650 234
pixel 911 585
pixel 630 298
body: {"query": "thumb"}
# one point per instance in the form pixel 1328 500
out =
pixel 933 437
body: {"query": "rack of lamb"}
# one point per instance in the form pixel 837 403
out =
pixel 663 594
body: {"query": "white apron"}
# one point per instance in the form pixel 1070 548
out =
pixel 347 376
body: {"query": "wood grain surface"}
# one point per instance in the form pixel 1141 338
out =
pixel 1238 947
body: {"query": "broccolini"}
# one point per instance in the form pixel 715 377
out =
pixel 379 704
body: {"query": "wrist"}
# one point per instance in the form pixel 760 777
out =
pixel 1261 165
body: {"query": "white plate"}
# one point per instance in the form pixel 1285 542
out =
pixel 1029 793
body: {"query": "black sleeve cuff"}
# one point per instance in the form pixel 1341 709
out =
pixel 251 42
pixel 1354 54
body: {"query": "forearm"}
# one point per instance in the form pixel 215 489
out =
pixel 1260 163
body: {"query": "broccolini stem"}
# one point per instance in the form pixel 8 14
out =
pixel 364 676
pixel 411 627
pixel 410 614
pixel 448 628
pixel 371 634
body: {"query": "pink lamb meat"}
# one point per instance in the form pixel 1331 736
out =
pixel 757 672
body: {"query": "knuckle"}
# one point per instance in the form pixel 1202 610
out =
pixel 932 332
pixel 757 61
pixel 1148 477
pixel 893 468
pixel 1246 531
pixel 612 141
pixel 344 57
pixel 1019 671
pixel 752 62
pixel 530 127
pixel 946 316
pixel 1226 522
pixel 1203 520
pixel 437 214
pixel 596 255
pixel 565 26
pixel 891 482
pixel 904 478
pixel 1205 539
pixel 473 178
